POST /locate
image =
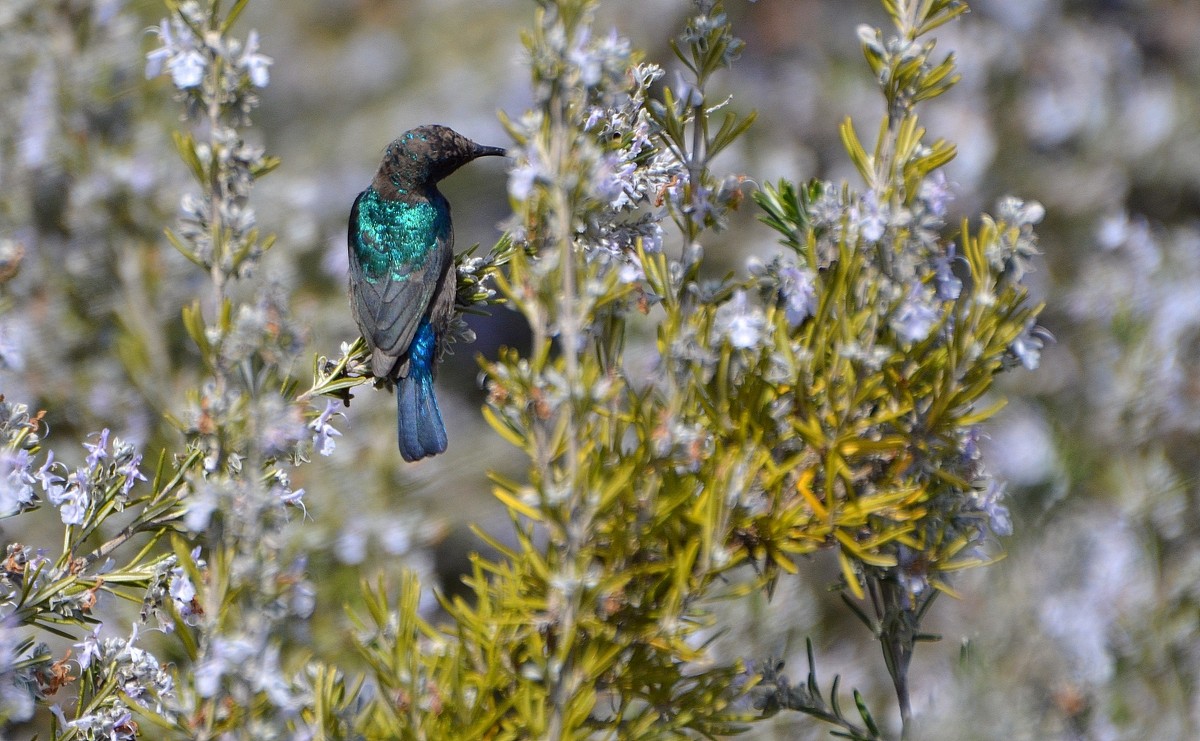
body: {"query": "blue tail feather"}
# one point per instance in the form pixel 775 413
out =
pixel 418 419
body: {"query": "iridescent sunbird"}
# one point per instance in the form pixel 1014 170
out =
pixel 402 278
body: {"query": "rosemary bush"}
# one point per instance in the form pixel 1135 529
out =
pixel 827 399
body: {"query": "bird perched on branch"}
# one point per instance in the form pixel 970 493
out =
pixel 402 281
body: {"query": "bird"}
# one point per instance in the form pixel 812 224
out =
pixel 402 278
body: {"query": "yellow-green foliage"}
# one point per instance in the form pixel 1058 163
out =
pixel 766 432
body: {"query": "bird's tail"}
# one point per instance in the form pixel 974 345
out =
pixel 418 418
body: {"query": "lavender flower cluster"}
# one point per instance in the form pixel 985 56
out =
pixel 31 585
pixel 216 76
pixel 110 471
pixel 621 173
pixel 134 671
pixel 189 57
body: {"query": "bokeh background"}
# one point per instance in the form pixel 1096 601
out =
pixel 1090 629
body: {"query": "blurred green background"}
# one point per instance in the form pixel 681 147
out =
pixel 1090 628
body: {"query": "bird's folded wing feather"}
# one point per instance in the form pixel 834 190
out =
pixel 395 264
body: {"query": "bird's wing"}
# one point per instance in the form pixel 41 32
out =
pixel 396 259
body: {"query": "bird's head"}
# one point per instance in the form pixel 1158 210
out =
pixel 424 155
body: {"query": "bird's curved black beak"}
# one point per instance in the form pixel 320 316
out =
pixel 482 151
